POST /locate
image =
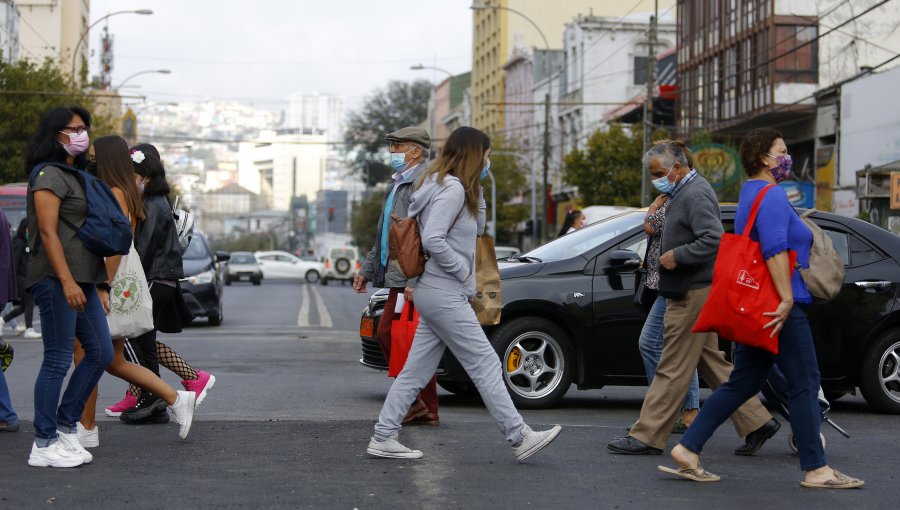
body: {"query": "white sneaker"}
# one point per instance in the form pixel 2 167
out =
pixel 20 328
pixel 390 448
pixel 533 442
pixel 70 441
pixel 183 409
pixel 55 455
pixel 31 333
pixel 88 438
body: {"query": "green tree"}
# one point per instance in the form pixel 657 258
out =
pixel 27 91
pixel 364 221
pixel 398 105
pixel 509 174
pixel 608 171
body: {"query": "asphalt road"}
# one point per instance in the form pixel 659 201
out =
pixel 288 421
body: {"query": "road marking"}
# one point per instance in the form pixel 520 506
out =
pixel 324 316
pixel 321 309
pixel 303 316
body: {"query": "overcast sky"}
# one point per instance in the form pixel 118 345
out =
pixel 260 51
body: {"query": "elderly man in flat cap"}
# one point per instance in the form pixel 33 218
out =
pixel 409 151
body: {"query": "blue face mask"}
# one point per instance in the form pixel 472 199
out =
pixel 484 172
pixel 663 184
pixel 398 161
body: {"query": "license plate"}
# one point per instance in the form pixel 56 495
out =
pixel 367 327
pixel 245 277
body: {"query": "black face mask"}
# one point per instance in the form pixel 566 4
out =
pixel 92 168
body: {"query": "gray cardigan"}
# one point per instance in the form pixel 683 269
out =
pixel 693 229
pixel 448 233
pixel 371 269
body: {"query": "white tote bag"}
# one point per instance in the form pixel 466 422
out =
pixel 130 304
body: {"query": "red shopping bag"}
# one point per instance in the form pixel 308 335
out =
pixel 403 330
pixel 742 290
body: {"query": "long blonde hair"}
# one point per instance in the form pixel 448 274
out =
pixel 462 157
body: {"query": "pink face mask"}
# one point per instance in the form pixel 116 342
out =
pixel 78 143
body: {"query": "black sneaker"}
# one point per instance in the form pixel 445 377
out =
pixel 160 418
pixel 147 406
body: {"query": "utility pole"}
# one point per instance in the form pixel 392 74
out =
pixel 648 103
pixel 544 217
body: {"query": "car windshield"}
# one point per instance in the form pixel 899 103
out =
pixel 197 249
pixel 587 238
pixel 242 258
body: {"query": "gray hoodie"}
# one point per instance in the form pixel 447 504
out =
pixel 448 233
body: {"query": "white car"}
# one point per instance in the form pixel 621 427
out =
pixel 281 264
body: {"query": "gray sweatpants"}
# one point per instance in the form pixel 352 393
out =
pixel 446 319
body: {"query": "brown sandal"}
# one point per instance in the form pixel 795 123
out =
pixel 840 481
pixel 696 474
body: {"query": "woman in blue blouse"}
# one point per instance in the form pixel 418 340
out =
pixel 778 229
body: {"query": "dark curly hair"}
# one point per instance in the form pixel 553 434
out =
pixel 754 146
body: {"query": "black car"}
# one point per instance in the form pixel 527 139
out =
pixel 568 315
pixel 203 283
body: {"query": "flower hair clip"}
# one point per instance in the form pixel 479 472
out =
pixel 137 156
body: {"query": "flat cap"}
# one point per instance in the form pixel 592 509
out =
pixel 410 134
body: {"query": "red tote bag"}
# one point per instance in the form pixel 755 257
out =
pixel 742 290
pixel 403 330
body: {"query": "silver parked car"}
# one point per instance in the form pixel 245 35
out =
pixel 243 267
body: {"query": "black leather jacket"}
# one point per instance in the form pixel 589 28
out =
pixel 156 241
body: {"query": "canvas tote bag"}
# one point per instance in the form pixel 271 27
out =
pixel 487 302
pixel 130 304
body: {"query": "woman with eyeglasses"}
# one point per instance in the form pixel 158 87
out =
pixel 62 278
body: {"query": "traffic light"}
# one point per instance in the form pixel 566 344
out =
pixel 331 214
pixel 529 227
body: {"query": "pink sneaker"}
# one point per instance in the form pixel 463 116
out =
pixel 116 409
pixel 200 385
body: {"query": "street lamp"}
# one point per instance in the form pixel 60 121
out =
pixel 144 12
pixel 149 71
pixel 480 5
pixel 420 67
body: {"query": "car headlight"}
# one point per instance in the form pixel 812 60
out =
pixel 202 278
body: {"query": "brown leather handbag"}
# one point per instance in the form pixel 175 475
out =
pixel 405 246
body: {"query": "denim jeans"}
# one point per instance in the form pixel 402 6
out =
pixel 7 413
pixel 60 324
pixel 651 347
pixel 797 360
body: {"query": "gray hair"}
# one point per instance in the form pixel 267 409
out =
pixel 668 153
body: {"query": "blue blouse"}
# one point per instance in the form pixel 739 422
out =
pixel 778 228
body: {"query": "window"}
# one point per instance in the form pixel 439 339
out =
pixel 841 244
pixel 640 70
pixel 798 56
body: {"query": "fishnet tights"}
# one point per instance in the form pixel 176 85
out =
pixel 171 360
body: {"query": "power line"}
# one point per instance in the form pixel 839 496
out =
pixel 282 63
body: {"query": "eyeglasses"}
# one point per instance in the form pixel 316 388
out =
pixel 74 129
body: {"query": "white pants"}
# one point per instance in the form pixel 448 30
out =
pixel 446 320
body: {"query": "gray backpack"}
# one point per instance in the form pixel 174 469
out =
pixel 825 275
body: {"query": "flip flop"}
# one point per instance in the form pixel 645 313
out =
pixel 697 474
pixel 840 481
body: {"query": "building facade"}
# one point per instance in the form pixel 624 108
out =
pixel 283 164
pixel 316 114
pixel 9 31
pixel 52 29
pixel 494 35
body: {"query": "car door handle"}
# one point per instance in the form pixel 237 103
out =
pixel 880 285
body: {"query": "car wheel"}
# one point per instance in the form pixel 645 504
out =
pixel 880 373
pixel 227 281
pixel 324 281
pixel 216 318
pixel 342 265
pixel 463 389
pixel 537 361
pixel 257 281
pixel 312 276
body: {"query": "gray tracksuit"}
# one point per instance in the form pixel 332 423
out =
pixel 442 296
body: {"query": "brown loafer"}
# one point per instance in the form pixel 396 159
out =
pixel 417 410
pixel 430 419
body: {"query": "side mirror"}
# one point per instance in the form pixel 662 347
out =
pixel 621 260
pixel 222 256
